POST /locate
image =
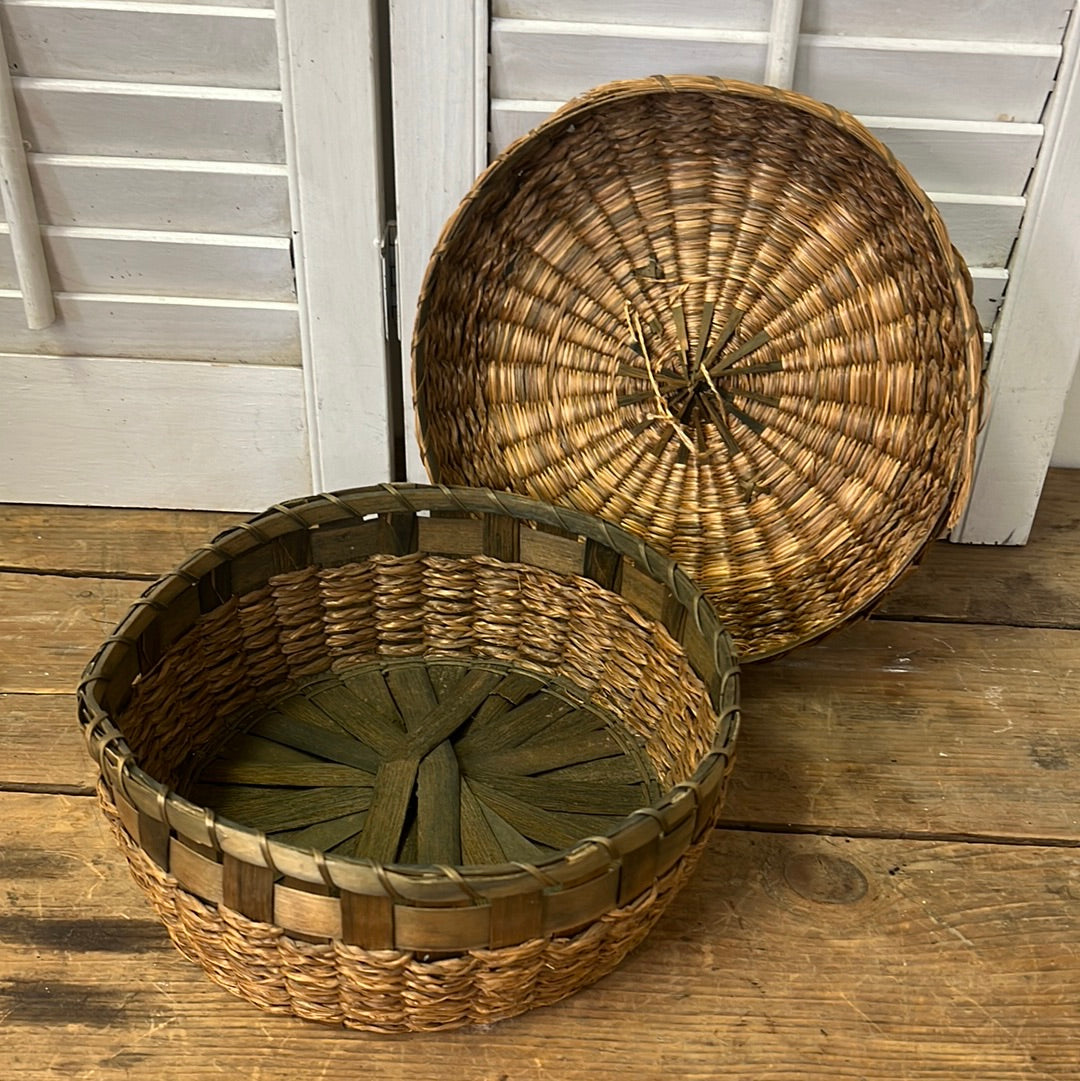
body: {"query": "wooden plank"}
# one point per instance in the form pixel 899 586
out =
pixel 138 261
pixel 239 198
pixel 979 157
pixel 1027 398
pixel 914 728
pixel 976 157
pixel 227 3
pixel 1037 585
pixel 43 747
pixel 985 81
pixel 328 57
pixel 982 228
pixel 150 120
pixel 785 956
pixel 151 433
pixel 142 42
pixel 958 80
pixel 50 627
pixel 988 292
pixel 439 86
pixel 95 541
pixel 983 20
pixel 157 328
pixel 748 15
pixel 980 20
pixel 550 60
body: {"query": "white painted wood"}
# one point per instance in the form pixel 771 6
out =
pixel 988 292
pixel 1067 447
pixel 136 433
pixel 1036 343
pixel 246 198
pixel 328 78
pixel 783 43
pixel 745 15
pixel 961 80
pixel 980 20
pixel 17 197
pixel 440 94
pixel 559 60
pixel 75 116
pixel 976 157
pixel 141 42
pixel 974 20
pixel 981 227
pixel 228 3
pixel 164 328
pixel 151 262
pixel 950 80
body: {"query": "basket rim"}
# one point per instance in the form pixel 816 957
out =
pixel 622 90
pixel 692 800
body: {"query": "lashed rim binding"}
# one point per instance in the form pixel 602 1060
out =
pixel 724 316
pixel 373 945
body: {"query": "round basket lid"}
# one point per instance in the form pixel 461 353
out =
pixel 723 316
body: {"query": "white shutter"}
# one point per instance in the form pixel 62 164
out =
pixel 171 376
pixel 182 369
pixel 958 91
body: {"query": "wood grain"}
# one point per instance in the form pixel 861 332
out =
pixel 104 541
pixel 787 957
pixel 42 746
pixel 1037 585
pixel 914 728
pixel 50 627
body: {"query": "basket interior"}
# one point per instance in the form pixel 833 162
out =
pixel 558 709
pixel 723 317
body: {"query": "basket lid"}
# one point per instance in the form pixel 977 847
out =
pixel 723 316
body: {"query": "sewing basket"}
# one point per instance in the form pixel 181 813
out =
pixel 725 317
pixel 408 758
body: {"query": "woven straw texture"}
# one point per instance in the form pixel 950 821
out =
pixel 370 651
pixel 725 317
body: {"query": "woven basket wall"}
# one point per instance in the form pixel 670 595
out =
pixel 270 718
pixel 727 318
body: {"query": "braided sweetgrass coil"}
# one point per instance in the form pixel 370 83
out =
pixel 725 317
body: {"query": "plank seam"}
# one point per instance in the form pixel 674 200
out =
pixel 898 617
pixel 60 572
pixel 855 833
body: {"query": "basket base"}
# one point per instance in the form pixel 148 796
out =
pixel 426 762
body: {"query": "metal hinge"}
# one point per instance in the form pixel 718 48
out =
pixel 388 249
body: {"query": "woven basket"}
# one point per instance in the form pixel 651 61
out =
pixel 725 317
pixel 384 758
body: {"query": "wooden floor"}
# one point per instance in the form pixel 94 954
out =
pixel 895 893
